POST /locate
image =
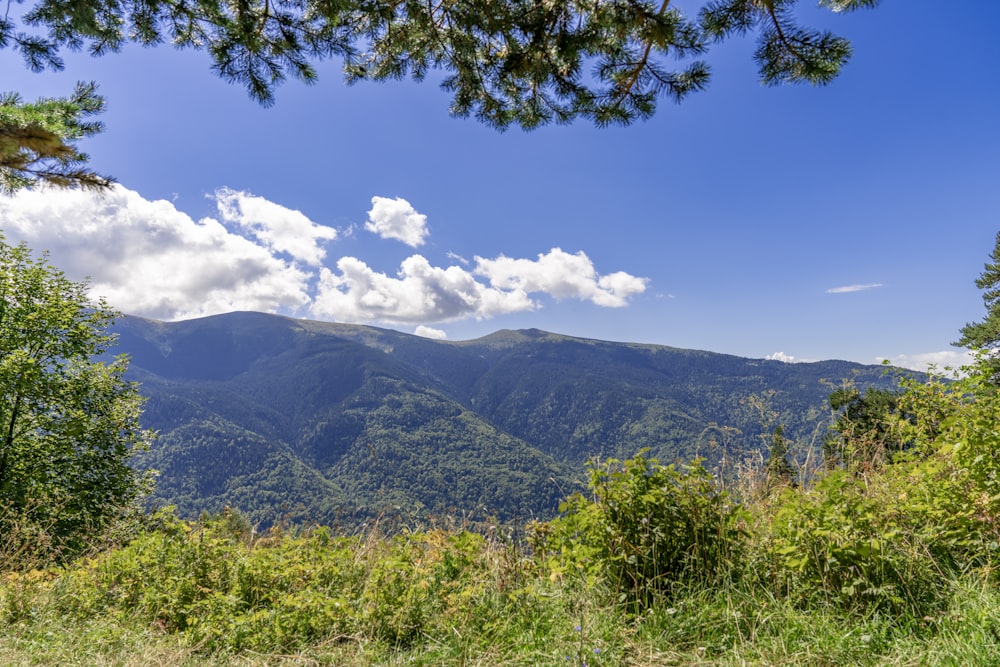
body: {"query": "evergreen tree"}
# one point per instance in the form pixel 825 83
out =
pixel 985 335
pixel 506 62
pixel 38 140
pixel 511 61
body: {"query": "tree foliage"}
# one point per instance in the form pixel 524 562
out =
pixel 505 62
pixel 509 62
pixel 779 467
pixel 38 140
pixel 68 422
pixel 863 434
pixel 986 334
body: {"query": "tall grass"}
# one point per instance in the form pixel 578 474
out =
pixel 210 592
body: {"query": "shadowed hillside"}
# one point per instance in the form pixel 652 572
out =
pixel 340 423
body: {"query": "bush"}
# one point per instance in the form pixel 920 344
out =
pixel 886 537
pixel 649 529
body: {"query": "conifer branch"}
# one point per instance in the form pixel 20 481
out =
pixel 776 22
pixel 507 62
pixel 622 91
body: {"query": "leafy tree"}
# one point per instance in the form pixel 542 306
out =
pixel 986 334
pixel 38 140
pixel 68 422
pixel 509 62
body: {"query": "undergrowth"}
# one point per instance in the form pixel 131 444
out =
pixel 875 560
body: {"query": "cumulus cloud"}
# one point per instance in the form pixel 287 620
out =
pixel 561 275
pixel 788 359
pixel 148 258
pixel 430 332
pixel 281 229
pixel 420 293
pixel 925 360
pixel 853 288
pixel 397 219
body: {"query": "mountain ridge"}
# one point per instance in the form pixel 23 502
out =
pixel 345 422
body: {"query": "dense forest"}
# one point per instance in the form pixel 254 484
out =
pixel 297 420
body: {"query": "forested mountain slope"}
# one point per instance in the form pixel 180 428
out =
pixel 340 423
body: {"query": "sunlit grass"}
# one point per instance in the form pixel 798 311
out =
pixel 485 607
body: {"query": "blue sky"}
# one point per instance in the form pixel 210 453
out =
pixel 728 223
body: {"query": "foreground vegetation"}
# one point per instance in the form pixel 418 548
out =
pixel 886 555
pixel 439 598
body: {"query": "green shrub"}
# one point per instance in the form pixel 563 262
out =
pixel 648 529
pixel 840 544
pixel 887 537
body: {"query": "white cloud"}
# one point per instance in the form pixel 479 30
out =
pixel 430 332
pixel 421 293
pixel 279 228
pixel 148 258
pixel 853 288
pixel 918 362
pixel 561 275
pixel 397 219
pixel 923 361
pixel 788 359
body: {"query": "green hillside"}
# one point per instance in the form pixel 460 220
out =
pixel 291 419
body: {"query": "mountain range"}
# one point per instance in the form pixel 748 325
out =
pixel 289 419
